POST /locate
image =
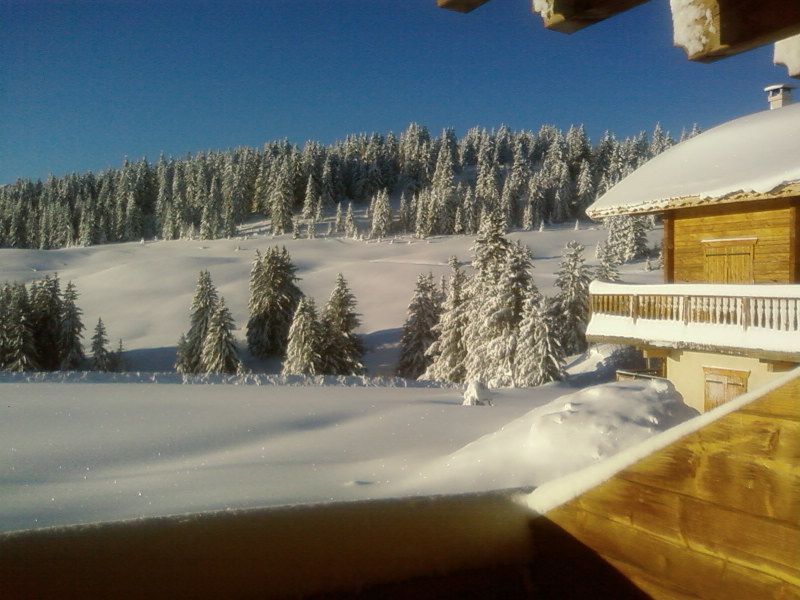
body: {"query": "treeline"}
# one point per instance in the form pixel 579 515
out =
pixel 446 185
pixel 41 329
pixel 282 323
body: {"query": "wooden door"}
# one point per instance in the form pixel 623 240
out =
pixel 722 385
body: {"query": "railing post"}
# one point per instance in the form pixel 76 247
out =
pixel 685 305
pixel 745 323
pixel 634 307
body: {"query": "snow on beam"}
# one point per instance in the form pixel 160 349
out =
pixel 787 53
pixel 463 6
pixel 712 29
pixel 569 16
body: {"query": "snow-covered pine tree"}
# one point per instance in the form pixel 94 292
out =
pixel 418 330
pixel 273 299
pixel 19 349
pixel 304 349
pixel 343 349
pixel 381 216
pixel 70 344
pixel 350 227
pixel 338 226
pixel 606 269
pixel 45 301
pixel 219 354
pixel 447 352
pixel 204 305
pixel 312 200
pixel 281 199
pixel 572 303
pixel 101 358
pixel 211 220
pixel 540 358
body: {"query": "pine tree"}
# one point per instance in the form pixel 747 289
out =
pixel 273 299
pixel 339 222
pixel 572 302
pixel 343 349
pixel 101 358
pixel 350 227
pixel 18 344
pixel 448 353
pixel 281 199
pixel 540 358
pixel 70 345
pixel 211 220
pixel 606 269
pixel 382 216
pixel 418 330
pixel 46 310
pixel 204 305
pixel 304 348
pixel 219 354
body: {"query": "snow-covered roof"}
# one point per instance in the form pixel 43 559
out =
pixel 750 158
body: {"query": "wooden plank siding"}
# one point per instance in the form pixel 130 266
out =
pixel 774 224
pixel 714 515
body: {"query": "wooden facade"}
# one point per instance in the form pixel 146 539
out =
pixel 714 515
pixel 747 242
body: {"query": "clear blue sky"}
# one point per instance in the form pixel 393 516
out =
pixel 84 84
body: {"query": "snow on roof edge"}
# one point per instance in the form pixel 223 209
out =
pixel 554 493
pixel 752 157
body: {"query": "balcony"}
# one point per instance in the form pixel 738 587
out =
pixel 754 320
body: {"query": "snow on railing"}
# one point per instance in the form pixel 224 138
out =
pixel 733 315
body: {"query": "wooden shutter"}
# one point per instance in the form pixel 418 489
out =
pixel 722 385
pixel 728 260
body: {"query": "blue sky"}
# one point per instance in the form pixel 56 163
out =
pixel 84 84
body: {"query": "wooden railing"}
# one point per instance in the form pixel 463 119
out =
pixel 763 311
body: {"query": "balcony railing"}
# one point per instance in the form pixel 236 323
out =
pixel 754 317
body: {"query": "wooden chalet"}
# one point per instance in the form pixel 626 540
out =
pixel 727 318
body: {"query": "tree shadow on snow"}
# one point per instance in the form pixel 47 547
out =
pixel 383 350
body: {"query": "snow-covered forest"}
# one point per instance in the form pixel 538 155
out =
pixel 445 184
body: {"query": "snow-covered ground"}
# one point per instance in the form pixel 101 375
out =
pixel 135 445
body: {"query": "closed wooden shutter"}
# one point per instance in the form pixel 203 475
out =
pixel 722 385
pixel 728 261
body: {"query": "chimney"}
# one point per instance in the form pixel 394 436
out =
pixel 779 95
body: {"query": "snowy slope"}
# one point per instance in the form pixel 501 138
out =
pixel 143 291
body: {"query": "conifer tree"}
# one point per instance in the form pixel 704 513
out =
pixel 18 344
pixel 70 344
pixel 304 348
pixel 350 227
pixel 572 302
pixel 448 352
pixel 46 310
pixel 381 216
pixel 273 299
pixel 343 349
pixel 339 222
pixel 204 305
pixel 540 358
pixel 418 330
pixel 101 359
pixel 606 269
pixel 219 354
pixel 281 199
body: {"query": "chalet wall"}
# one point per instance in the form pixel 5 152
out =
pixel 685 371
pixel 774 224
pixel 713 515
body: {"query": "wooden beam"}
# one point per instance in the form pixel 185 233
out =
pixel 787 53
pixel 462 6
pixel 569 16
pixel 712 29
